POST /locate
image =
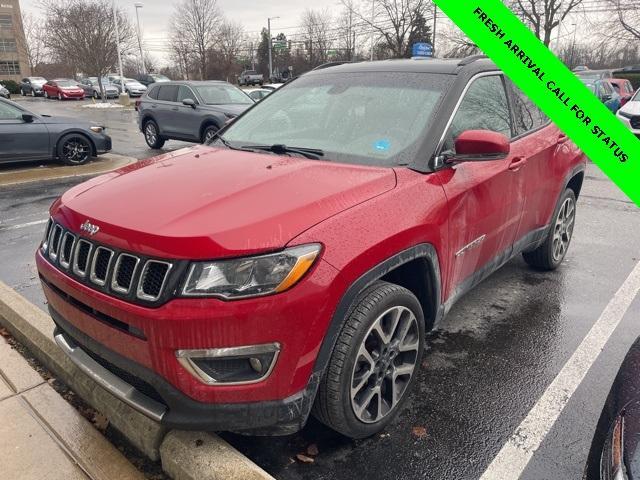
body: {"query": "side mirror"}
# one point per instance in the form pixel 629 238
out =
pixel 480 146
pixel 27 117
pixel 190 102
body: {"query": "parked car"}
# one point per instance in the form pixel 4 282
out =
pixel 250 77
pixel 131 86
pixel 624 88
pixel 27 136
pixel 294 263
pixel 151 78
pixel 4 93
pixel 257 94
pixel 593 75
pixel 63 89
pixel 581 68
pixel 604 90
pixel 32 86
pixel 630 114
pixel 189 111
pixel 615 448
pixel 91 88
pixel 272 86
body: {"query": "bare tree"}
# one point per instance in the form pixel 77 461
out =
pixel 231 40
pixel 457 44
pixel 628 13
pixel 33 44
pixel 82 33
pixel 316 27
pixel 544 16
pixel 198 23
pixel 393 20
pixel 347 31
pixel 181 53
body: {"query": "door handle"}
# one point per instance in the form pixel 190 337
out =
pixel 517 163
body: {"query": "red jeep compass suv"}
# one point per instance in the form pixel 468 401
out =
pixel 293 264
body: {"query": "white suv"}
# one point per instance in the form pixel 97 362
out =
pixel 630 114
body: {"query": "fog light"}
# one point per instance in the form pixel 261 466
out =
pixel 230 366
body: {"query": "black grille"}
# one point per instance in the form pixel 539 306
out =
pixel 125 270
pixel 82 256
pixel 101 264
pixel 137 279
pixel 153 278
pixel 635 122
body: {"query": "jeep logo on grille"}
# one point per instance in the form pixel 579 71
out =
pixel 89 227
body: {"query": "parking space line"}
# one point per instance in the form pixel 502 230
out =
pixel 516 454
pixel 23 225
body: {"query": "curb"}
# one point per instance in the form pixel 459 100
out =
pixel 184 455
pixel 105 163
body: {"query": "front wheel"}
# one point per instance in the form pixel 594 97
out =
pixel 152 135
pixel 46 95
pixel 209 133
pixel 22 92
pixel 551 253
pixel 374 363
pixel 60 96
pixel 74 149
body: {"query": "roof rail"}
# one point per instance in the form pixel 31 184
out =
pixel 468 60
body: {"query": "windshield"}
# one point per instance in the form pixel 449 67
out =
pixel 160 78
pixel 365 118
pixel 66 83
pixel 38 79
pixel 589 76
pixel 222 94
pixel 250 72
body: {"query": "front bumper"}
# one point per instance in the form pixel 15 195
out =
pixel 103 143
pixel 153 396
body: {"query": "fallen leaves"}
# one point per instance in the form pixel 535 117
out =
pixel 304 458
pixel 419 432
pixel 100 421
pixel 309 454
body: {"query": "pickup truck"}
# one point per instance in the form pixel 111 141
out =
pixel 250 77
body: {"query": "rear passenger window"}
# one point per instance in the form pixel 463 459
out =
pixel 484 107
pixel 168 93
pixel 527 116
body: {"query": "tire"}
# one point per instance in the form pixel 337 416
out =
pixel 46 95
pixel 59 96
pixel 208 133
pixel 33 93
pixel 368 408
pixel 96 95
pixel 552 252
pixel 22 92
pixel 74 149
pixel 152 135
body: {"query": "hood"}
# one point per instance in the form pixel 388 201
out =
pixel 204 202
pixel 64 121
pixel 233 109
pixel 134 84
pixel 632 108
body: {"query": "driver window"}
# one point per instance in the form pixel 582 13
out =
pixel 485 107
pixel 184 93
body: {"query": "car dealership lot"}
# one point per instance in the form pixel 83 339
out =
pixel 496 354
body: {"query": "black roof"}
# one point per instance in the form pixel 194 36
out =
pixel 450 66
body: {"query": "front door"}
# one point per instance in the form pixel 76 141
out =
pixel 20 140
pixel 485 198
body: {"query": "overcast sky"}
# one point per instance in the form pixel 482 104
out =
pixel 252 14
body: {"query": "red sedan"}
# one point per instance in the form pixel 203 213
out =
pixel 63 89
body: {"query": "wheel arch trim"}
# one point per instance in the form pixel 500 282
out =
pixel 424 251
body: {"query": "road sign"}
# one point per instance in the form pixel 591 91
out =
pixel 422 49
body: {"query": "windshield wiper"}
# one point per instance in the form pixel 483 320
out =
pixel 279 149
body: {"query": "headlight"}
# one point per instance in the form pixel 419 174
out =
pixel 97 129
pixel 250 276
pixel 625 114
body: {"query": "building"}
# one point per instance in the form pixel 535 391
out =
pixel 13 59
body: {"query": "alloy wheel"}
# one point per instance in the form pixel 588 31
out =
pixel 150 133
pixel 209 134
pixel 384 365
pixel 563 229
pixel 76 150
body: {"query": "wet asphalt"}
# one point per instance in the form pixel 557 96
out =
pixel 484 369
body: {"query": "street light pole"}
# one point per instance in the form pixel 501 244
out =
pixel 143 68
pixel 373 16
pixel 435 24
pixel 117 28
pixel 270 46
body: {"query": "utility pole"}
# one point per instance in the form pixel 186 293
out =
pixel 573 46
pixel 124 97
pixel 373 16
pixel 270 46
pixel 558 39
pixel 143 68
pixel 435 24
pixel 253 63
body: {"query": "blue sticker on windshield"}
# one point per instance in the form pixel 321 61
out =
pixel 382 145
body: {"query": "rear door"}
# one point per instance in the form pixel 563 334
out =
pixel 165 109
pixel 537 140
pixel 21 140
pixel 485 198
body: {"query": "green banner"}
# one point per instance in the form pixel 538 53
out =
pixel 553 87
